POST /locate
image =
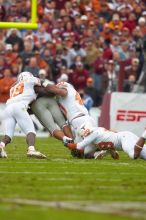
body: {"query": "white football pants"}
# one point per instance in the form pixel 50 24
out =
pixel 128 141
pixel 17 113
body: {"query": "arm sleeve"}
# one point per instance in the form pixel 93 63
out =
pixel 88 140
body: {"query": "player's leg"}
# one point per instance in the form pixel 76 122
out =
pixel 59 118
pixel 41 109
pixel 128 140
pixel 26 124
pixel 9 124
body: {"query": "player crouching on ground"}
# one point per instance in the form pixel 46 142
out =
pixel 102 139
pixel 21 95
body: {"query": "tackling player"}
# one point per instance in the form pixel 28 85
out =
pixel 103 139
pixel 21 95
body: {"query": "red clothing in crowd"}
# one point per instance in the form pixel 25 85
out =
pixel 98 66
pixel 5 85
pixel 79 78
pixel 60 4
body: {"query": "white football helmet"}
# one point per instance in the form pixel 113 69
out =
pixel 24 76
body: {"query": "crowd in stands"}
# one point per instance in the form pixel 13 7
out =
pixel 98 46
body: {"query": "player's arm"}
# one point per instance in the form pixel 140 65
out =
pixel 42 91
pixel 56 90
pixel 86 141
pixel 139 145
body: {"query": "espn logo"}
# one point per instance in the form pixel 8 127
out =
pixel 123 115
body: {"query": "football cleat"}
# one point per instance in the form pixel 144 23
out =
pixel 3 153
pixel 98 155
pixel 36 154
pixel 114 154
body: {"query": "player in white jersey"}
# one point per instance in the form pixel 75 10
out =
pixel 21 95
pixel 103 139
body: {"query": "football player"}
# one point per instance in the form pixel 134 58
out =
pixel 102 139
pixel 21 95
pixel 47 111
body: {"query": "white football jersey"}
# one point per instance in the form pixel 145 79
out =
pixel 71 105
pixel 99 137
pixel 106 136
pixel 24 91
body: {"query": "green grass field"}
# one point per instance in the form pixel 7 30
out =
pixel 65 188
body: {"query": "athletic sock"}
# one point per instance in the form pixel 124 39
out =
pixel 2 144
pixel 31 148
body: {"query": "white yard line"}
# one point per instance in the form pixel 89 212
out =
pixel 133 209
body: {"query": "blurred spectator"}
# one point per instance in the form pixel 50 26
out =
pixel 124 54
pixel 5 85
pixel 60 4
pixel 41 62
pixel 98 69
pixel 47 56
pixel 132 70
pixel 130 22
pixel 63 74
pixel 68 55
pixel 3 65
pixel 43 75
pixel 106 33
pixel 142 25
pixel 110 78
pixel 10 56
pixel 129 84
pixel 27 53
pixel 15 70
pixel 13 38
pixel 32 66
pixel 2 11
pixel 87 100
pixel 91 53
pixel 57 62
pixel 79 76
pixel 43 36
pixel 104 11
pixel 19 63
pixel 78 50
pixel 116 22
pixel 93 92
pixel 115 44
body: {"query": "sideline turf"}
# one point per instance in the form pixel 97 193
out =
pixel 63 178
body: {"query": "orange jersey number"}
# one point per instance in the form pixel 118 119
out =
pixel 105 145
pixel 17 89
pixel 78 99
